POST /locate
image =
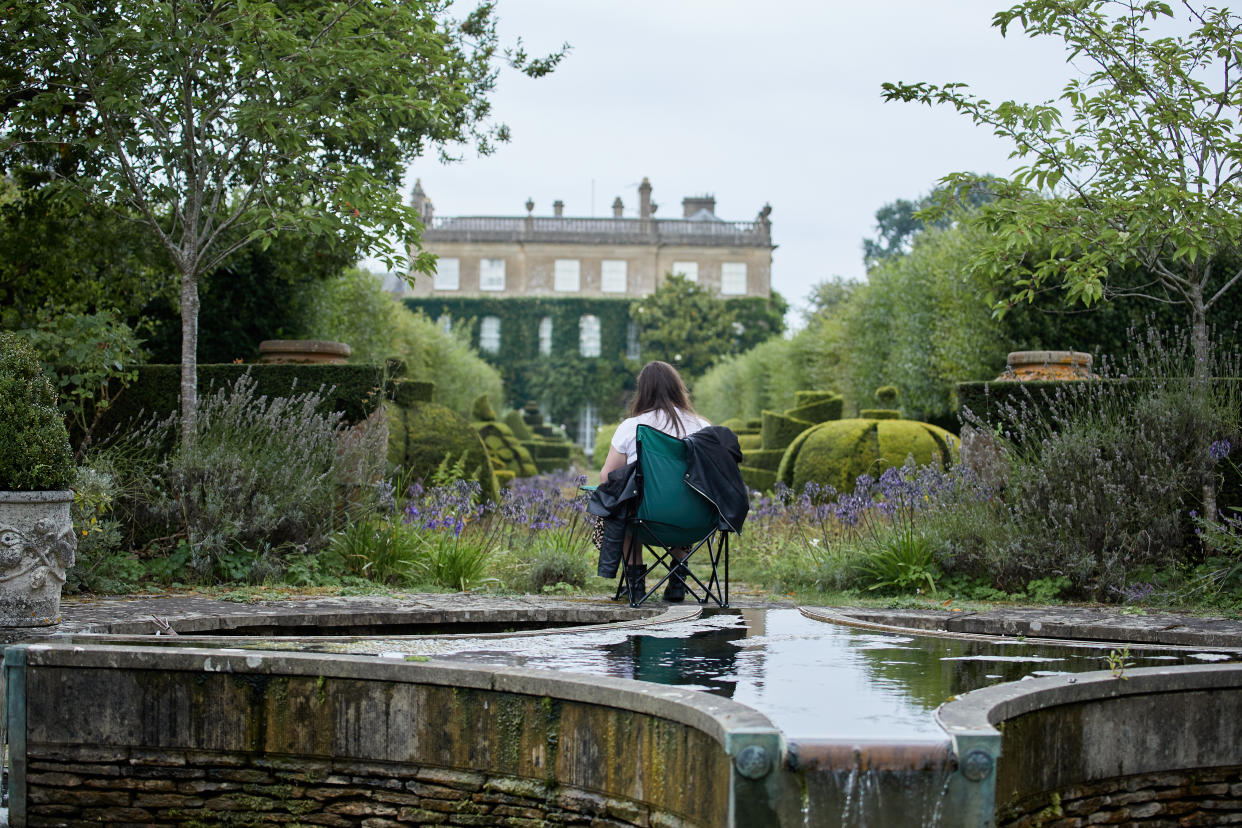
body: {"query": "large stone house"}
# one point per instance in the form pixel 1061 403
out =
pixel 578 272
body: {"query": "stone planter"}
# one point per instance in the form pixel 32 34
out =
pixel 37 543
pixel 1047 365
pixel 305 351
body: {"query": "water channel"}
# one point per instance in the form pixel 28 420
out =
pixel 814 680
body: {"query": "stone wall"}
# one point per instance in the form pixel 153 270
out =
pixel 1178 798
pixel 180 735
pixel 178 787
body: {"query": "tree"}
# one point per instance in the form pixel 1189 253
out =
pixel 223 123
pixel 691 327
pixel 1134 189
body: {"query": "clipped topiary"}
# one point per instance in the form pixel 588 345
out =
pixel 829 408
pixel 422 435
pixel 880 414
pixel 548 445
pixel 802 398
pixel 750 442
pixel 759 480
pixel 887 396
pixel 406 393
pixel 836 452
pixel 34 443
pixel 517 425
pixel 779 430
pixel 482 409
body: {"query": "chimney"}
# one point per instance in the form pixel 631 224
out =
pixel 644 199
pixel 693 204
pixel 420 202
pixel 558 208
pixel 617 207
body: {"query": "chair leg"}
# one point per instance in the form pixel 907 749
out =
pixel 636 583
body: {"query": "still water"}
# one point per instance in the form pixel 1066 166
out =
pixel 812 679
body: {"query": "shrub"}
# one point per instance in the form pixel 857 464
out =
pixel 421 436
pixel 259 480
pixel 835 453
pixel 34 443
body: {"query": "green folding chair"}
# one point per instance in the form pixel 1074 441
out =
pixel 671 514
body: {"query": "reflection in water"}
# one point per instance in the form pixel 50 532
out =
pixel 813 679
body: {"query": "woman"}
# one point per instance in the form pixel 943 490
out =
pixel 660 401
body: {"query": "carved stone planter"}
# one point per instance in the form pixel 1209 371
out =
pixel 1047 365
pixel 306 351
pixel 37 543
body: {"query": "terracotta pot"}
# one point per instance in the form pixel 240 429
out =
pixel 1047 365
pixel 312 351
pixel 37 546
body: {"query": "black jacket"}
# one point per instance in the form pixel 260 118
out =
pixel 712 458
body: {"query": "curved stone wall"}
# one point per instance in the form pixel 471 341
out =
pixel 1154 745
pixel 185 735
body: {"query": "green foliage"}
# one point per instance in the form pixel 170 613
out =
pixel 110 264
pixel 34 445
pixel 220 126
pixel 901 559
pixel 353 391
pixel 836 452
pixel 101 564
pixel 563 381
pixel 422 435
pixel 92 357
pixel 387 551
pixel 1131 179
pixel 354 308
pixel 603 441
pixel 779 430
pixel 691 327
pixel 743 385
pixel 259 480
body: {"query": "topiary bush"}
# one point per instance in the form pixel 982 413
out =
pixel 836 452
pixel 34 443
pixel 422 435
pixel 509 457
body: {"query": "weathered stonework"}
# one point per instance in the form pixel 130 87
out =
pixel 37 546
pixel 188 736
pixel 1171 798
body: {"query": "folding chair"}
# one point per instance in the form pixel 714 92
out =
pixel 672 515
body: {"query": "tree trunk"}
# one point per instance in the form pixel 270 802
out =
pixel 1203 386
pixel 189 357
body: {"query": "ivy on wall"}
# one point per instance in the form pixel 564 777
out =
pixel 564 381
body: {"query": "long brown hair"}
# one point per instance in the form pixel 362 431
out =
pixel 660 388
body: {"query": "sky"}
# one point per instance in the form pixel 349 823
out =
pixel 756 103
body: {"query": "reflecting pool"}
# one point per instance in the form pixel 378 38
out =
pixel 811 678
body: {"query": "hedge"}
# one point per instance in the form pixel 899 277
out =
pixel 353 390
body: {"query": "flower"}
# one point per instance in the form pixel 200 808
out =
pixel 1219 450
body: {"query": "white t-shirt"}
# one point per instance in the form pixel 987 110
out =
pixel 625 439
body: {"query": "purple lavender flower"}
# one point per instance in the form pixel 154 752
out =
pixel 1219 450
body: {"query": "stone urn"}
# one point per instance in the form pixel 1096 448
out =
pixel 37 545
pixel 1047 365
pixel 305 351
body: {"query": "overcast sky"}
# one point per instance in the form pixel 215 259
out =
pixel 776 102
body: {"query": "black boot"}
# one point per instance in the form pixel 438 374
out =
pixel 676 589
pixel 636 581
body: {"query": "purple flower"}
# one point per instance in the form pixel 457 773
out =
pixel 1219 450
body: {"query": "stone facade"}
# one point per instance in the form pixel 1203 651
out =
pixel 614 257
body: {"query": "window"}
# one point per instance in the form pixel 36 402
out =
pixel 733 278
pixel 545 336
pixel 588 422
pixel 448 274
pixel 492 274
pixel 565 276
pixel 632 350
pixel 612 276
pixel 588 335
pixel 688 269
pixel 446 323
pixel 489 334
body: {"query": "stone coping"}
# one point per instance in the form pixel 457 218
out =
pixel 42 496
pixel 721 718
pixel 979 713
pixel 1074 626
